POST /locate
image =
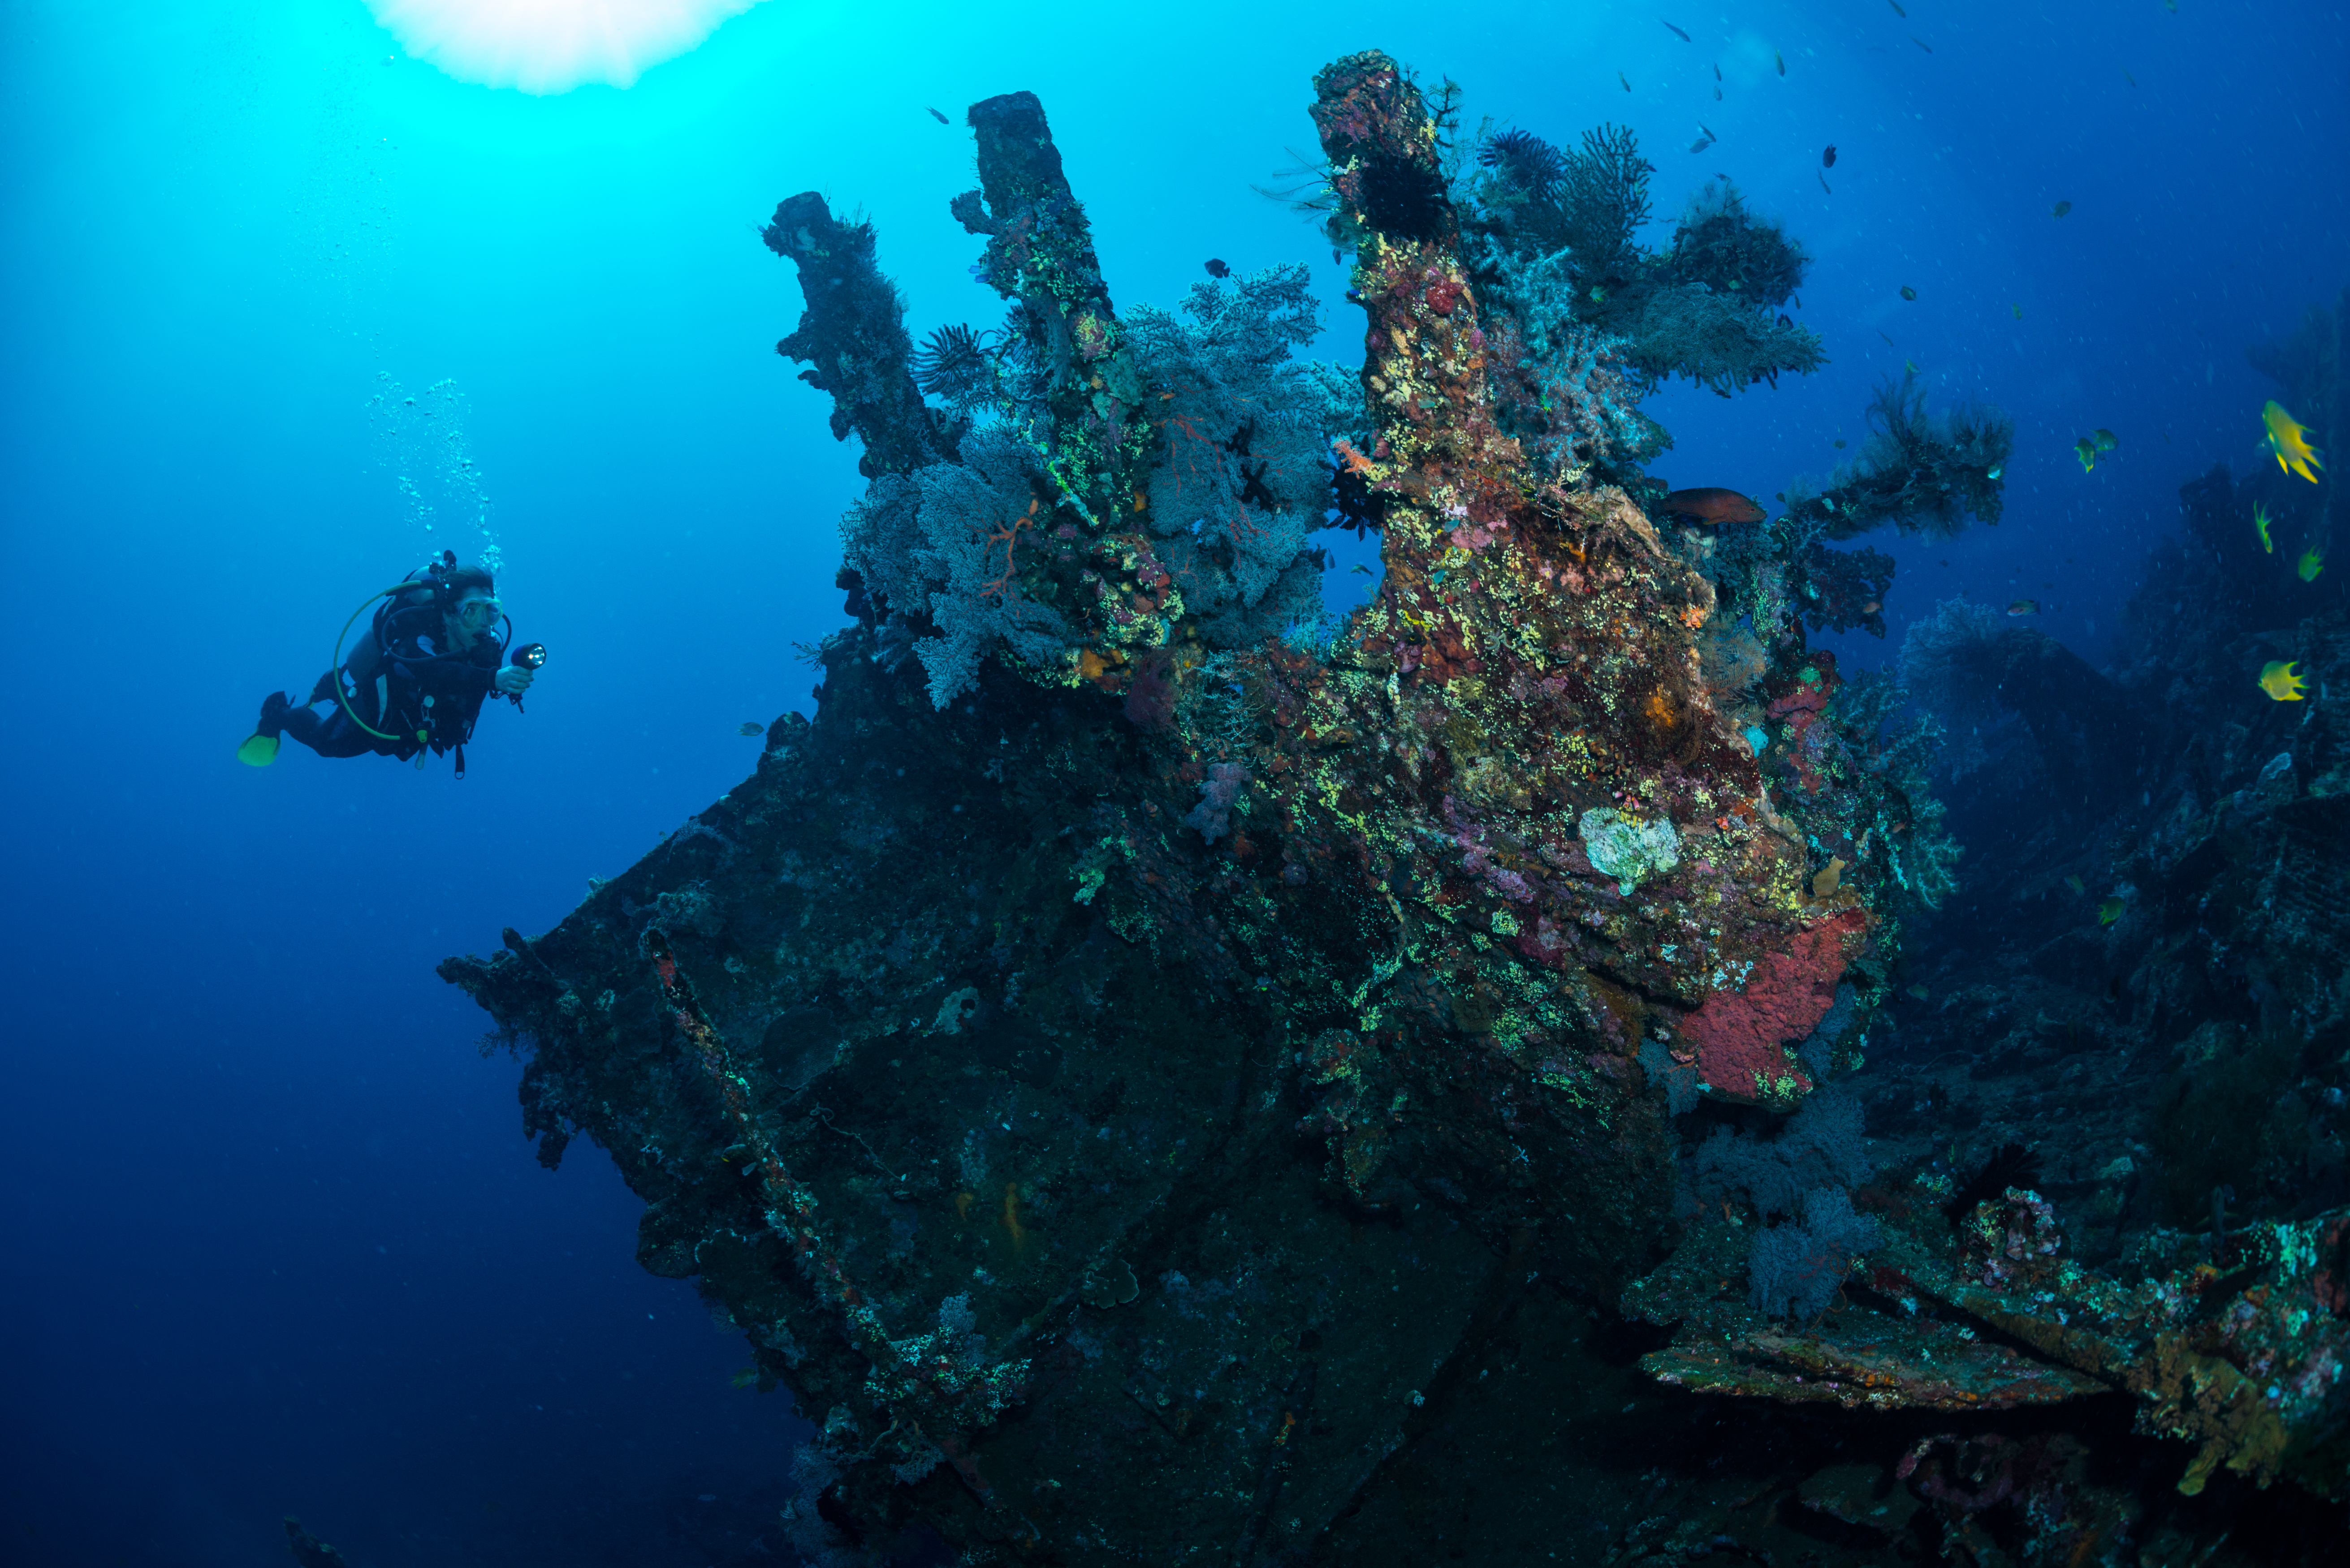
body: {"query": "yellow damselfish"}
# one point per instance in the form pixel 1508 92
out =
pixel 2110 911
pixel 2280 683
pixel 2311 561
pixel 2086 451
pixel 2261 524
pixel 2290 440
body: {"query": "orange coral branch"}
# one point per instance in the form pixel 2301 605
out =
pixel 1000 586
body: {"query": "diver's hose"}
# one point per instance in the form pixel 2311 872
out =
pixel 404 585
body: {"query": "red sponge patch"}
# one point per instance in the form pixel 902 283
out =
pixel 1741 1037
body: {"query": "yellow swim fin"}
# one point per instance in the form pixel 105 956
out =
pixel 258 751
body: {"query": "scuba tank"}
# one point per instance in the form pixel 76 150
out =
pixel 412 608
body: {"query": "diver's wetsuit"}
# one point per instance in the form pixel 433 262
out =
pixel 399 680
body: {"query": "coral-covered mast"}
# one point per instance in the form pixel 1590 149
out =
pixel 1084 417
pixel 1556 632
pixel 852 337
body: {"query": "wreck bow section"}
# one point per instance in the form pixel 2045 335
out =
pixel 1118 1068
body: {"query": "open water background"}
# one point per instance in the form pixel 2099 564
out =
pixel 273 1240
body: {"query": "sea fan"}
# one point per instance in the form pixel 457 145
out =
pixel 953 365
pixel 1603 191
pixel 1527 161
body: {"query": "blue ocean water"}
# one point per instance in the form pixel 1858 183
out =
pixel 286 309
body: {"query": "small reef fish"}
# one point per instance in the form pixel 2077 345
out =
pixel 1889 342
pixel 936 115
pixel 1919 992
pixel 2111 910
pixel 2086 451
pixel 2289 440
pixel 1216 268
pixel 1714 504
pixel 2280 683
pixel 1910 366
pixel 749 727
pixel 1626 80
pixel 1908 292
pixel 1897 10
pixel 2023 607
pixel 1779 60
pixel 1921 43
pixel 2260 527
pixel 1702 143
pixel 1824 182
pixel 1993 472
pixel 746 1378
pixel 1827 159
pixel 1676 32
pixel 2311 561
pixel 2061 209
pixel 1717 73
pixel 2128 78
pixel 2106 441
pixel 2077 883
pixel 1717 92
pixel 2018 309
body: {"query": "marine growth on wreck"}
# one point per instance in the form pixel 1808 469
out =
pixel 1139 1060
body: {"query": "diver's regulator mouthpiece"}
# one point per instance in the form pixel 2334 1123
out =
pixel 530 655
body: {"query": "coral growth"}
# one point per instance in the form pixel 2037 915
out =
pixel 1553 236
pixel 1221 1051
pixel 1923 473
pixel 1797 1268
pixel 1742 1036
pixel 1819 1147
pixel 1241 474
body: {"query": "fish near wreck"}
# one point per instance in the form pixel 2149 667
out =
pixel 2287 439
pixel 1713 504
pixel 971 1047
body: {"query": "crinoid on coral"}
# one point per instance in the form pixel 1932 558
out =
pixel 1531 168
pixel 1532 200
pixel 954 365
pixel 1923 473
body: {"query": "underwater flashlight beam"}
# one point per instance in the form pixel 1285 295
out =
pixel 551 45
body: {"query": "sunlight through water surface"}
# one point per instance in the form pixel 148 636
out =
pixel 551 45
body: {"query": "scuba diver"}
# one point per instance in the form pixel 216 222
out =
pixel 415 680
